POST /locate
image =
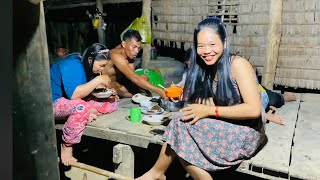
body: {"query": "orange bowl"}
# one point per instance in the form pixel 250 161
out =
pixel 173 91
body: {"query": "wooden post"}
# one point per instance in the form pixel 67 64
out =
pixel 146 10
pixel 101 33
pixel 123 158
pixel 273 43
pixel 35 147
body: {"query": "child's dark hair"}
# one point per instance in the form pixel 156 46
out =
pixel 129 34
pixel 95 52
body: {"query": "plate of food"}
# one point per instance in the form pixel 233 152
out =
pixel 155 120
pixel 103 94
pixel 139 98
pixel 156 109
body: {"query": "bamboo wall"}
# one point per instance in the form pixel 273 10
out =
pixel 299 55
pixel 248 24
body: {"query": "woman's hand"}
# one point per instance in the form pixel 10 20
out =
pixel 194 112
pixel 104 81
pixel 114 94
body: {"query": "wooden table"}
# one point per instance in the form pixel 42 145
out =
pixel 291 151
pixel 116 127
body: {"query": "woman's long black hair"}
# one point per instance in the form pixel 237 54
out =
pixel 94 52
pixel 201 76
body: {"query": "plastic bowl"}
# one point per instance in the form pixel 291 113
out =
pixel 173 91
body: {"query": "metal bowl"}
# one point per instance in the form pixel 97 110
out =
pixel 171 106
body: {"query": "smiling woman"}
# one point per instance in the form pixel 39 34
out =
pixel 222 123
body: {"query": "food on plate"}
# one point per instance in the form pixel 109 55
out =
pixel 155 109
pixel 102 93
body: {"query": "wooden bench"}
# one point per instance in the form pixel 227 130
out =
pixel 290 151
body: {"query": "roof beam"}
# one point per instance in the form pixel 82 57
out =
pixel 119 1
pixel 70 6
pixel 66 6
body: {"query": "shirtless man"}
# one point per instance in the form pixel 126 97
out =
pixel 121 68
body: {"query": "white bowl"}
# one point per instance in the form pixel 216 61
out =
pixel 138 98
pixel 154 120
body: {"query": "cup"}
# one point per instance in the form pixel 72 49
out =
pixel 135 114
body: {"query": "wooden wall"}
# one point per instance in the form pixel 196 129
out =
pixel 248 23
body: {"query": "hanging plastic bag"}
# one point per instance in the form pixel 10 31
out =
pixel 144 28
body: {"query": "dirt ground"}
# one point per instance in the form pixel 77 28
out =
pixel 98 153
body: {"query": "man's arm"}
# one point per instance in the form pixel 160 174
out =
pixel 123 65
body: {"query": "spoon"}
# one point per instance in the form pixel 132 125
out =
pixel 105 88
pixel 163 87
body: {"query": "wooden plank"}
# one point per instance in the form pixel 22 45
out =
pixel 83 171
pixel 309 98
pixel 275 155
pixel 118 136
pixel 305 152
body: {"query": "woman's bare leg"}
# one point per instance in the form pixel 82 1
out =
pixel 195 172
pixel 67 154
pixel 165 158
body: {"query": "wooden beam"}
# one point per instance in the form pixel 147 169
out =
pixel 146 10
pixel 273 43
pixel 120 1
pixel 123 159
pixel 101 32
pixel 35 146
pixel 48 7
pixel 66 6
pixel 99 171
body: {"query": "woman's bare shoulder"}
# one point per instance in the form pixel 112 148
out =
pixel 239 61
pixel 240 65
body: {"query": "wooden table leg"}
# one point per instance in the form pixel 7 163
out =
pixel 123 158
